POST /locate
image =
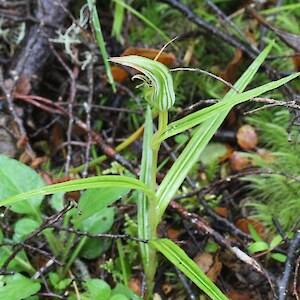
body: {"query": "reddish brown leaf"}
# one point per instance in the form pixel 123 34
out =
pixel 38 161
pixel 22 142
pixel 23 85
pixel 135 285
pixel 173 233
pixel 244 223
pixel 296 62
pixel 120 74
pixel 230 74
pixel 222 211
pixel 238 295
pixel 247 137
pixel 166 58
pixel 239 161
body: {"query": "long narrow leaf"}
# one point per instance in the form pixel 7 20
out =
pixel 198 142
pixel 144 19
pixel 82 184
pixel 206 113
pixel 101 43
pixel 180 259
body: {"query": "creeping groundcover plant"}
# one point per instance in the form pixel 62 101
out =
pixel 153 198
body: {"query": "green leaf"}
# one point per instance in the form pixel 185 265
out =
pixel 202 135
pixel 157 80
pixel 82 184
pixel 254 233
pixel 126 291
pixel 18 287
pixel 275 241
pixel 119 297
pixel 118 22
pixel 207 113
pixel 57 283
pixel 100 222
pixel 94 200
pixel 93 248
pixel 101 42
pixel 180 259
pixel 145 20
pixel 258 247
pixel 279 257
pixel 23 227
pixel 98 289
pixel 17 178
pixel 212 152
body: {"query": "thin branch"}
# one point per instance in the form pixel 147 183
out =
pixel 208 74
pixel 284 281
pixel 100 235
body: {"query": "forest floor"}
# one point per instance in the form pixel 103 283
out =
pixel 67 113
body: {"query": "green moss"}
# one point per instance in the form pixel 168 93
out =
pixel 276 195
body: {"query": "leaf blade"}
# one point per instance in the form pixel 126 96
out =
pixel 198 142
pixel 82 184
pixel 185 264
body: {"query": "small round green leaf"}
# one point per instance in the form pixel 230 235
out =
pixel 258 247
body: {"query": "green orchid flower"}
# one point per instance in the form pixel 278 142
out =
pixel 156 77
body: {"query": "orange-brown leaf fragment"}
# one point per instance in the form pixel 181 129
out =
pixel 247 137
pixel 239 161
pixel 221 211
pixel 209 264
pixel 119 74
pixel 230 73
pixel 166 58
pixel 135 285
pixel 244 223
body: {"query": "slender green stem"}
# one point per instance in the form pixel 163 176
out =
pixel 152 261
pixel 74 255
pixel 62 271
pixel 122 262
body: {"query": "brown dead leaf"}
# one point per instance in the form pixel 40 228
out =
pixel 167 288
pixel 135 285
pixel 230 74
pixel 296 62
pixel 238 295
pixel 247 137
pixel 209 264
pixel 23 85
pixel 173 233
pixel 120 74
pixel 222 211
pixel 38 161
pixel 227 154
pixel 166 58
pixel 244 223
pixel 22 142
pixel 239 161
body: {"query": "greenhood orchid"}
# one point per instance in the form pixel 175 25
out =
pixel 156 77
